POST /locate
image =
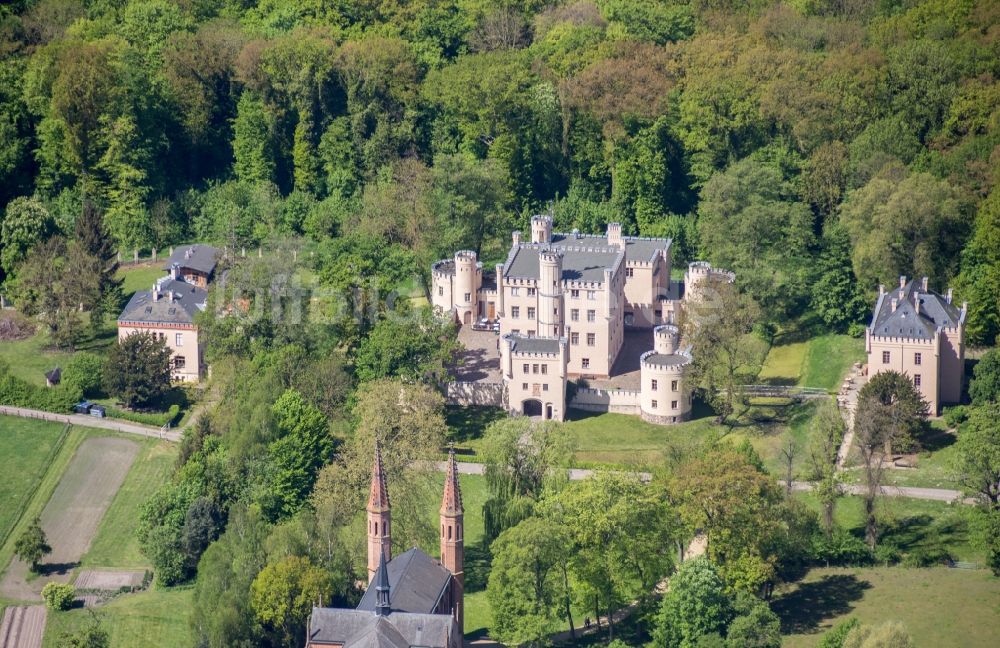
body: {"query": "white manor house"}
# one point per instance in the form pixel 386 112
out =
pixel 564 303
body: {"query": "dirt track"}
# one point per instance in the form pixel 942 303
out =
pixel 73 513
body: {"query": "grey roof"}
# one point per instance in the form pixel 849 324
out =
pixel 935 312
pixel 578 263
pixel 637 248
pixel 365 629
pixel 202 258
pixel 667 359
pixel 416 583
pixel 531 344
pixel 188 301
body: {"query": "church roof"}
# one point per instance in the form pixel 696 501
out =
pixel 416 584
pixel 365 629
pixel 451 501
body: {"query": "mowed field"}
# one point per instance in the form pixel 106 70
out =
pixel 74 511
pixel 940 607
pixel 26 450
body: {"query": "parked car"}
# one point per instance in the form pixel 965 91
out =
pixel 83 407
pixel 97 410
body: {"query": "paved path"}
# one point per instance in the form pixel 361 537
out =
pixel 847 402
pixel 94 422
pixel 22 627
pixel 937 494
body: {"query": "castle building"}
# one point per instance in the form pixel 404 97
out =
pixel 920 333
pixel 413 600
pixel 564 303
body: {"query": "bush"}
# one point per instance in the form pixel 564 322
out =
pixel 835 637
pixel 927 557
pixel 20 393
pixel 58 596
pixel 83 372
pixel 841 548
pixel 886 553
pixel 955 416
pixel 158 419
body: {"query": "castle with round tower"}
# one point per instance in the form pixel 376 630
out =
pixel 563 304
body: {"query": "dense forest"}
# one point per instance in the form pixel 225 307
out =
pixel 816 147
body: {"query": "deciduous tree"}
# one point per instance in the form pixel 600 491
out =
pixel 32 544
pixel 137 369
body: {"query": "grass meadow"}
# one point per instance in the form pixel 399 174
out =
pixel 27 447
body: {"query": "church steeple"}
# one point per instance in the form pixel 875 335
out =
pixel 379 522
pixel 381 580
pixel 453 536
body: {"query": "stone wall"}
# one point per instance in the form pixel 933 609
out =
pixel 616 401
pixel 475 393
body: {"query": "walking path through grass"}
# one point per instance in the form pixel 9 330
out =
pixel 94 422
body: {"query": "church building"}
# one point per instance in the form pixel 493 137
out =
pixel 412 599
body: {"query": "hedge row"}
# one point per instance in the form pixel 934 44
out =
pixel 158 419
pixel 17 392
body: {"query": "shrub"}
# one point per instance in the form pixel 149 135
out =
pixel 159 419
pixel 83 371
pixel 887 553
pixel 955 416
pixel 58 596
pixel 835 637
pixel 926 557
pixel 20 393
pixel 841 548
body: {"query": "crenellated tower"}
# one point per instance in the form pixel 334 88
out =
pixel 453 537
pixel 379 522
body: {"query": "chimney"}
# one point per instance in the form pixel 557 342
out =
pixel 156 292
pixel 902 281
pixel 881 289
pixel 895 302
pixel 173 271
pixel 923 284
pixel 516 237
pixel 170 296
pixel 916 301
pixel 951 294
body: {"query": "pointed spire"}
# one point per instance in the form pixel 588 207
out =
pixel 382 606
pixel 451 502
pixel 378 498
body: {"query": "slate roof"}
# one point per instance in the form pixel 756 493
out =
pixel 637 248
pixel 202 258
pixel 667 359
pixel 189 300
pixel 578 263
pixel 416 583
pixel 905 322
pixel 526 344
pixel 365 629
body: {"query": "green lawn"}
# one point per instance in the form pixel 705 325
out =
pixel 158 617
pixel 140 277
pixel 909 524
pixel 27 447
pixel 115 545
pixel 939 606
pixel 821 361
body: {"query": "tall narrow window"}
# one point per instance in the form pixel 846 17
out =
pixel 916 358
pixel 916 380
pixel 531 312
pixel 885 357
pixel 591 339
pixel 178 339
pixel 654 383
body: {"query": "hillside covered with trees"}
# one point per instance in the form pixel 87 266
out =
pixel 816 147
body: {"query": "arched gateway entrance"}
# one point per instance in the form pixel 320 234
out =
pixel 531 407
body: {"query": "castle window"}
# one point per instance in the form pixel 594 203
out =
pixel 574 315
pixel 591 294
pixel 654 404
pixel 515 311
pixel 673 404
pixel 531 292
pixel 545 369
pixel 574 338
pixel 515 291
pixel 591 339
pixel 885 357
pixel 654 383
pixel 585 363
pixel 628 272
pixel 545 387
pixel 591 316
pixel 179 362
pixel 916 380
pixel 673 385
pixel 468 297
pixel 534 368
pixel 657 314
pixel 376 528
pixel 526 368
pixel 575 294
pixel 916 358
pixel 524 386
pixel 449 533
pixel 531 312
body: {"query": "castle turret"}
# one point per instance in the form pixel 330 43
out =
pixel 700 273
pixel 453 537
pixel 541 229
pixel 664 396
pixel 467 281
pixel 379 531
pixel 550 295
pixel 615 235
